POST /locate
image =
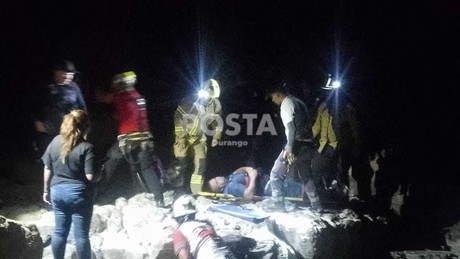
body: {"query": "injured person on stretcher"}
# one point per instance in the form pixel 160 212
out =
pixel 248 182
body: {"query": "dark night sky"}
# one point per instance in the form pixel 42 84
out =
pixel 399 61
pixel 400 58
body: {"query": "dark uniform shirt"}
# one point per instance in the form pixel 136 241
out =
pixel 54 102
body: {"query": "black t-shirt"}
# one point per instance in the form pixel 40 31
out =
pixel 79 162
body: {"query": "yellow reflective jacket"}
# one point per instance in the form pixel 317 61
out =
pixel 323 127
pixel 190 116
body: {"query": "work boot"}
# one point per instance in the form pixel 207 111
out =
pixel 160 203
pixel 274 204
pixel 305 200
pixel 159 200
pixel 317 207
pixel 315 202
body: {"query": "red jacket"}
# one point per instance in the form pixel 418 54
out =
pixel 131 112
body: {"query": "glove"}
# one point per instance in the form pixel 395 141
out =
pixel 181 147
pixel 181 143
pixel 291 158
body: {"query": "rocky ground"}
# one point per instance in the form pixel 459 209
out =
pixel 21 188
pixel 343 233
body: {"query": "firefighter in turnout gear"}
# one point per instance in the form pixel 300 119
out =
pixel 325 160
pixel 194 120
pixel 338 132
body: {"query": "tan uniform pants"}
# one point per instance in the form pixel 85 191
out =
pixel 197 153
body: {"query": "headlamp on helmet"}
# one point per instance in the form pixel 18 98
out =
pixel 209 89
pixel 330 85
pixel 203 94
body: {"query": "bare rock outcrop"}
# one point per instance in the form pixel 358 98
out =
pixel 18 241
pixel 452 237
pixel 138 228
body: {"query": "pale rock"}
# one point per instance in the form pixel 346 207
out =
pixel 97 224
pixel 452 237
pixel 105 211
pixel 115 222
pixel 121 202
pixel 96 242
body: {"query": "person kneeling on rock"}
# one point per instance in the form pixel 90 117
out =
pixel 194 238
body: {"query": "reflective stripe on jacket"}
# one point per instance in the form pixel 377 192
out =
pixel 188 119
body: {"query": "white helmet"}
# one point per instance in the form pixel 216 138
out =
pixel 184 205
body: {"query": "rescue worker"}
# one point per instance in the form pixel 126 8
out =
pixel 295 158
pixel 51 103
pixel 135 141
pixel 195 239
pixel 337 128
pixel 194 120
pixel 324 163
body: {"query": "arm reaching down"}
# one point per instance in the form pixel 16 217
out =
pixel 250 190
pixel 47 174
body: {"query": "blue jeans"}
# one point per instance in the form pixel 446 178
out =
pixel 302 168
pixel 72 203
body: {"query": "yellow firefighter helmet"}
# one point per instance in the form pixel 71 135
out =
pixel 127 78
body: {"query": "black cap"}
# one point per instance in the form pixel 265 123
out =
pixel 279 88
pixel 66 65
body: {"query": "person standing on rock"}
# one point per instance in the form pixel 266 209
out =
pixel 51 103
pixel 194 120
pixel 135 142
pixel 295 158
pixel 195 239
pixel 68 177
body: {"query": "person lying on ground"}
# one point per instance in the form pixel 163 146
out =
pixel 196 239
pixel 248 182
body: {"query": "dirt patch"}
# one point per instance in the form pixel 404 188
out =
pixel 21 189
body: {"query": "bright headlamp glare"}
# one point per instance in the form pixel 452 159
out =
pixel 331 84
pixel 203 94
